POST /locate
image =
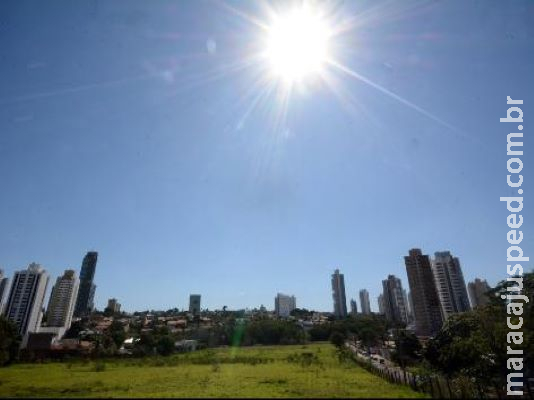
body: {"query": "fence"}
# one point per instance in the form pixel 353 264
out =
pixel 439 386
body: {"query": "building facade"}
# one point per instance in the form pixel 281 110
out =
pixel 62 300
pixel 427 308
pixel 393 300
pixel 409 306
pixel 365 304
pixel 194 304
pixel 284 304
pixel 478 290
pixel 24 305
pixel 86 291
pixel 338 294
pixel 450 284
pixel 4 288
pixel 353 307
pixel 114 306
pixel 381 306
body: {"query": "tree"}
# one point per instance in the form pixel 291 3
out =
pixel 407 349
pixel 116 331
pixel 165 345
pixel 9 341
pixel 320 332
pixel 337 339
pixel 74 331
pixel 145 345
pixel 474 344
pixel 301 313
pixel 462 350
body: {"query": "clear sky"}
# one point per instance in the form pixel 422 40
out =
pixel 144 130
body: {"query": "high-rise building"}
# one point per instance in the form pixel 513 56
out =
pixel 4 287
pixel 427 308
pixel 338 294
pixel 409 306
pixel 393 300
pixel 114 306
pixel 450 284
pixel 353 307
pixel 381 306
pixel 284 304
pixel 86 291
pixel 478 290
pixel 194 304
pixel 24 305
pixel 91 300
pixel 62 300
pixel 364 302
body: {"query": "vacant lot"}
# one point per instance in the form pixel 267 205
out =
pixel 280 371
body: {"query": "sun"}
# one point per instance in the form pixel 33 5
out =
pixel 297 44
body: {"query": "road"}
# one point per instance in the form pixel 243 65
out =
pixel 387 366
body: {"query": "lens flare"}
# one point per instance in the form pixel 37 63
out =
pixel 297 44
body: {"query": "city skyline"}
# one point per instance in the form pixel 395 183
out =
pixel 90 258
pixel 134 131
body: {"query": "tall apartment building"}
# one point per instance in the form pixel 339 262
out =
pixel 427 308
pixel 86 291
pixel 24 305
pixel 381 305
pixel 338 294
pixel 91 299
pixel 284 304
pixel 353 307
pixel 409 306
pixel 393 300
pixel 62 300
pixel 450 284
pixel 478 290
pixel 114 306
pixel 194 304
pixel 4 287
pixel 364 302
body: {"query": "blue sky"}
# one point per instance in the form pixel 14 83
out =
pixel 127 128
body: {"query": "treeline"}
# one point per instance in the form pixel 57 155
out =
pixel 472 347
pixel 470 351
pixel 230 333
pixel 371 330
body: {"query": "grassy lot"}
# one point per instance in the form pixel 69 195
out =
pixel 278 371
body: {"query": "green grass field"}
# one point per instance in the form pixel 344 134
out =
pixel 277 371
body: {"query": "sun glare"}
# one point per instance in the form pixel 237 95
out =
pixel 297 44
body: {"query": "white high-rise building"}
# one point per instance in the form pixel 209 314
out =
pixel 284 304
pixel 24 305
pixel 450 284
pixel 365 305
pixel 63 300
pixel 4 287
